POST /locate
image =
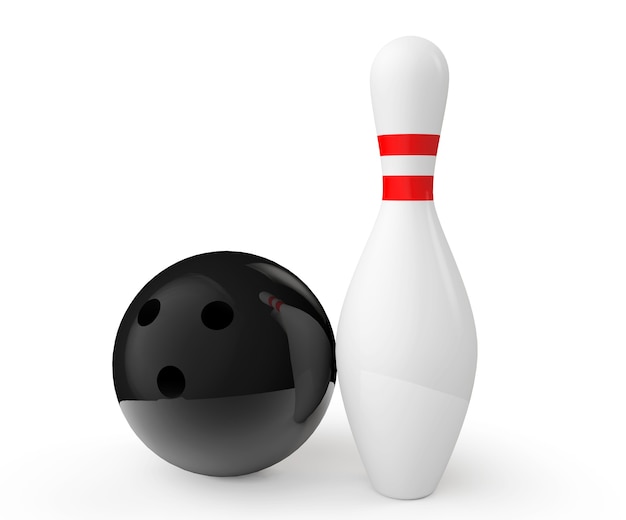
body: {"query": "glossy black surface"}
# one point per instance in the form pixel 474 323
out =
pixel 213 379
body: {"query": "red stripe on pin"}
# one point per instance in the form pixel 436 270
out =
pixel 408 187
pixel 278 305
pixel 408 144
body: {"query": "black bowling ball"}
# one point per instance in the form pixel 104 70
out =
pixel 224 363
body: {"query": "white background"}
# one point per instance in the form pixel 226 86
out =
pixel 135 134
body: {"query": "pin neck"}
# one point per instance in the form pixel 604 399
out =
pixel 408 162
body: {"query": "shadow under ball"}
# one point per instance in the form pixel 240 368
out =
pixel 224 363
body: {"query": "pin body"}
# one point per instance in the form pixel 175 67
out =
pixel 406 343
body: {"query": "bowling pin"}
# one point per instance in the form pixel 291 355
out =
pixel 406 342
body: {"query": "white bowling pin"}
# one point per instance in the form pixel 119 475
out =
pixel 406 343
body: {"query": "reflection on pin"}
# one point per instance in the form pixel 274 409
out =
pixel 406 367
pixel 308 360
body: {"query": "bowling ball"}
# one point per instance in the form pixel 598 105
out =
pixel 224 363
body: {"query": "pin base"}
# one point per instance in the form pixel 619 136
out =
pixel 395 496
